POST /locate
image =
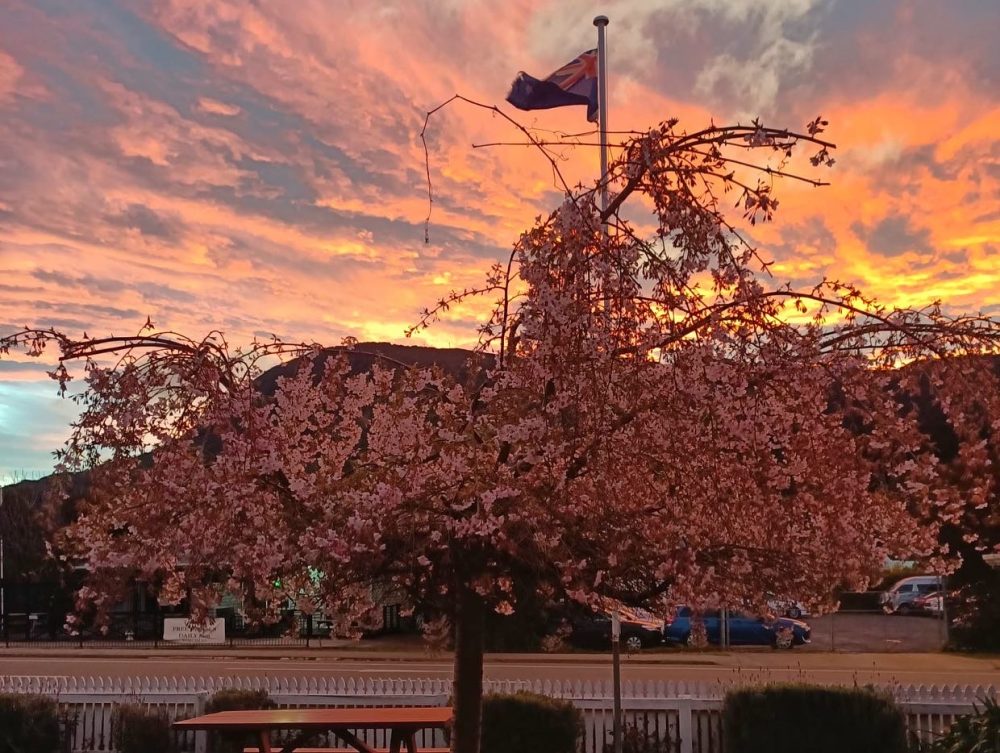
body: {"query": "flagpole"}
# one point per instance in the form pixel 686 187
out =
pixel 601 23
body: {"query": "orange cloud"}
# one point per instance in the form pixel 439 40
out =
pixel 218 108
pixel 258 167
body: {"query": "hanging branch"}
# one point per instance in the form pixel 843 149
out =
pixel 648 157
pixel 532 141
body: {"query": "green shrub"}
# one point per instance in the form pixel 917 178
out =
pixel 787 718
pixel 140 729
pixel 978 732
pixel 28 724
pixel 529 723
pixel 235 699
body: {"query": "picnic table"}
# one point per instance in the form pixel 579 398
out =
pixel 402 722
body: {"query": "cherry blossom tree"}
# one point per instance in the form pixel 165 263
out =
pixel 954 404
pixel 648 419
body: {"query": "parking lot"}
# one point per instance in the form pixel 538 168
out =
pixel 867 632
pixel 875 632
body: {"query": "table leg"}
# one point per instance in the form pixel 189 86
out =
pixel 395 741
pixel 265 742
pixel 401 737
pixel 354 741
pixel 411 741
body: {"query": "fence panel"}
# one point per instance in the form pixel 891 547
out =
pixel 680 717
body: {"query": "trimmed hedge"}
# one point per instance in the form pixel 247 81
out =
pixel 529 723
pixel 140 729
pixel 28 724
pixel 234 699
pixel 793 718
pixel 860 601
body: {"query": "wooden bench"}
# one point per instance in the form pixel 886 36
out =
pixel 399 723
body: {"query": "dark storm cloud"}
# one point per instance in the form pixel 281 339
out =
pixel 894 235
pixel 149 291
pixel 147 222
pixel 90 310
pixel 813 238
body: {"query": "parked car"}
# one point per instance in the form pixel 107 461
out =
pixel 899 598
pixel 744 629
pixel 638 630
pixel 787 608
pixel 931 603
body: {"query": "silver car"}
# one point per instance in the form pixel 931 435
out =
pixel 899 598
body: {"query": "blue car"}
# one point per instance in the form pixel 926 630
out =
pixel 744 629
pixel 638 630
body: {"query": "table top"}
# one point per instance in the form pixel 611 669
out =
pixel 387 717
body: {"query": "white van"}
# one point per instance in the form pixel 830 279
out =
pixel 897 600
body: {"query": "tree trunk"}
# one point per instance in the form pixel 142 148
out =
pixel 467 692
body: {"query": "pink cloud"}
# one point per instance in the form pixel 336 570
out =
pixel 10 75
pixel 215 107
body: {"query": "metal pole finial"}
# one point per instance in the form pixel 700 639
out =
pixel 602 108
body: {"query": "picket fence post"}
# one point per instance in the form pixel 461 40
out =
pixel 200 737
pixel 685 725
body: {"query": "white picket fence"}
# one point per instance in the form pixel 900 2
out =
pixel 686 714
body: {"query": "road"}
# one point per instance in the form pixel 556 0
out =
pixel 720 667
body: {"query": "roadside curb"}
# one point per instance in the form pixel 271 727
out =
pixel 304 655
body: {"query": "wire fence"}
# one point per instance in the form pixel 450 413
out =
pixel 35 615
pixel 131 630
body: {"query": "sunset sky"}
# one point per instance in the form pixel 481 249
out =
pixel 255 166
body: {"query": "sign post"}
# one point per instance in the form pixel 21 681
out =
pixel 616 664
pixel 183 630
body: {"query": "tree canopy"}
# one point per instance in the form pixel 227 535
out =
pixel 649 418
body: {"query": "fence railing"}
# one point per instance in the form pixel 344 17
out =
pixel 843 631
pixel 145 630
pixel 685 714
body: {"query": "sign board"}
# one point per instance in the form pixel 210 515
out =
pixel 616 627
pixel 182 630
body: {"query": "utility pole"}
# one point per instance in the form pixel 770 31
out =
pixel 945 626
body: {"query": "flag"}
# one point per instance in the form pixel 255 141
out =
pixel 573 84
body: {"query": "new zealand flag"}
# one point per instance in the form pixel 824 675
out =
pixel 573 84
